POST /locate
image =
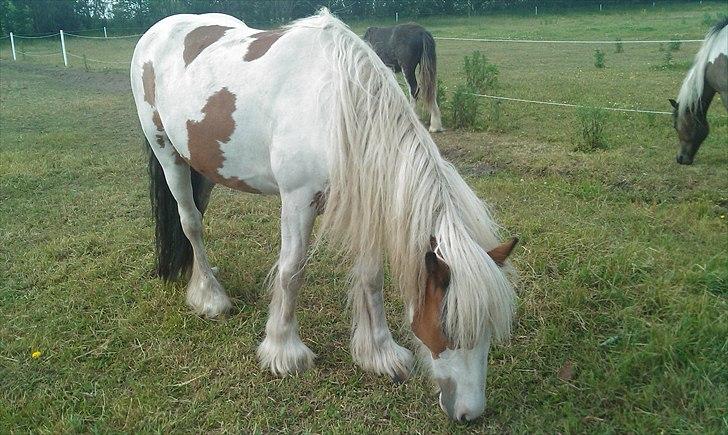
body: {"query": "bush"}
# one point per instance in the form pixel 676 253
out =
pixel 598 58
pixel 480 74
pixel 590 124
pixel 673 45
pixel 494 118
pixel 441 93
pixel 464 109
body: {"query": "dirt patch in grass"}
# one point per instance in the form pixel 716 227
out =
pixel 109 81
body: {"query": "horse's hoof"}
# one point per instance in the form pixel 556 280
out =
pixel 436 130
pixel 207 298
pixel 399 378
pixel 288 358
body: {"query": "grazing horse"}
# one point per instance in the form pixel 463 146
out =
pixel 310 113
pixel 402 48
pixel 708 75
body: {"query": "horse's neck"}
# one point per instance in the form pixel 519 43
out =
pixel 705 99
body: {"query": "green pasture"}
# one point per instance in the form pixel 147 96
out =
pixel 622 323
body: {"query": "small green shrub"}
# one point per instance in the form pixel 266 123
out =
pixel 590 126
pixel 618 46
pixel 464 109
pixel 598 58
pixel 707 19
pixel 673 45
pixel 495 120
pixel 480 74
pixel 441 93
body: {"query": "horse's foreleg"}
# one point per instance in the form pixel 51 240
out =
pixel 372 345
pixel 282 350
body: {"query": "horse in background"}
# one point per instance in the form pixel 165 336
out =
pixel 708 76
pixel 402 48
pixel 310 113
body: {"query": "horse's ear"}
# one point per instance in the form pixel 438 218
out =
pixel 673 102
pixel 500 253
pixel 437 269
pixel 431 263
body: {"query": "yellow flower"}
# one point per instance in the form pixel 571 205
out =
pixel 36 354
pixel 722 216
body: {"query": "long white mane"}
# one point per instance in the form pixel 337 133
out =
pixel 390 190
pixel 691 92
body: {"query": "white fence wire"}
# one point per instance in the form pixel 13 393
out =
pixel 536 41
pixel 487 40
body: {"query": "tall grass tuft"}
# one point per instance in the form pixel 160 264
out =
pixel 598 58
pixel 590 129
pixel 618 46
pixel 480 74
pixel 464 110
pixel 673 45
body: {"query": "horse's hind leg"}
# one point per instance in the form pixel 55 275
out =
pixel 409 75
pixel 372 345
pixel 282 350
pixel 205 295
pixel 435 117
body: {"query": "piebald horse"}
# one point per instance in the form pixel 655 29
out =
pixel 708 75
pixel 310 113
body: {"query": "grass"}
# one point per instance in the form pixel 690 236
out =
pixel 624 271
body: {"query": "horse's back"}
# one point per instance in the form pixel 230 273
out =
pixel 226 94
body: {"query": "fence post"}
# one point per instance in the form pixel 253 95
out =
pixel 105 32
pixel 12 45
pixel 63 48
pixel 536 9
pixel 396 17
pixel 600 7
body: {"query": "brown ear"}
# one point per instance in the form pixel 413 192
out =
pixel 500 253
pixel 437 269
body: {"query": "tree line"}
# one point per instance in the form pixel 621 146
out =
pixel 46 16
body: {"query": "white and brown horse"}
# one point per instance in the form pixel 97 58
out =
pixel 708 76
pixel 310 113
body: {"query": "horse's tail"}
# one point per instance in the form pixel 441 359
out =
pixel 173 249
pixel 428 68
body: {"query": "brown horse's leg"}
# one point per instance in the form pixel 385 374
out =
pixel 409 74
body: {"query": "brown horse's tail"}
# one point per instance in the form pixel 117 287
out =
pixel 173 249
pixel 428 69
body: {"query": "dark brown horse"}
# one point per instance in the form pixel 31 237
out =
pixel 402 48
pixel 708 75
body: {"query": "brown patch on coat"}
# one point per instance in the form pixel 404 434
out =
pixel 201 38
pixel 149 84
pixel 205 137
pixel 427 319
pixel 319 202
pixel 159 137
pixel 262 43
pixel 178 159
